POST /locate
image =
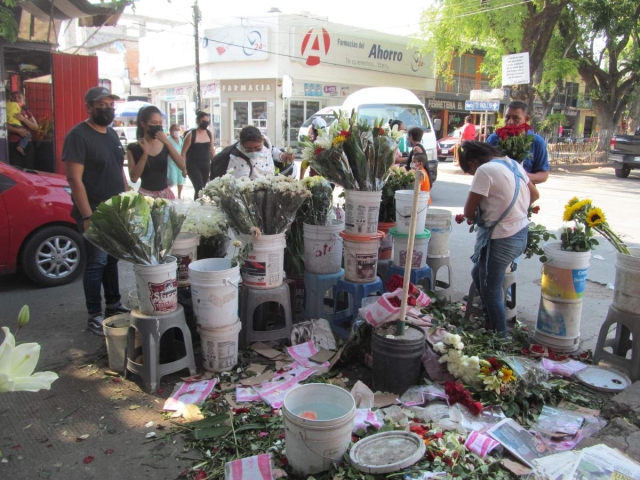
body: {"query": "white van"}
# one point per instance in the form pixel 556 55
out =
pixel 390 103
pixel 326 113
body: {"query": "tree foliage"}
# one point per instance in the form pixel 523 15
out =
pixel 604 39
pixel 500 27
pixel 8 24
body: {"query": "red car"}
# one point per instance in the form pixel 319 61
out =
pixel 38 236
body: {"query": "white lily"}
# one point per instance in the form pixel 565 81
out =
pixel 17 365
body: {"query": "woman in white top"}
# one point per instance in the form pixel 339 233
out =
pixel 498 202
pixel 256 160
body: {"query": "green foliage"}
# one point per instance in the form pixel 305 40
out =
pixel 8 24
pixel 552 122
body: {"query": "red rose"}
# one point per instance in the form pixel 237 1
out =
pixel 395 301
pixel 318 151
pixel 495 364
pixel 475 408
pixel 240 410
pixel 526 127
pixel 395 282
pixel 537 349
pixel 535 209
pixel 460 218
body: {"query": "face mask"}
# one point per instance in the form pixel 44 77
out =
pixel 204 124
pixel 256 155
pixel 153 129
pixel 103 116
pixel 175 134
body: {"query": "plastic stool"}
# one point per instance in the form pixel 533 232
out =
pixel 251 299
pixel 316 287
pixel 151 330
pixel 627 326
pixel 418 275
pixel 341 322
pixel 441 288
pixel 383 269
pixel 509 290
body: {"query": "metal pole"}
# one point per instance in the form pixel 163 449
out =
pixel 196 22
pixel 408 262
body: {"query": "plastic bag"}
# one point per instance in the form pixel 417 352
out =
pixel 490 416
pixel 527 370
pixel 365 418
pixel 433 367
pixel 422 394
pixel 562 429
pixel 362 395
pixel 387 308
pixel 441 415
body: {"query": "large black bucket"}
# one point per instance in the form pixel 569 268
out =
pixel 397 360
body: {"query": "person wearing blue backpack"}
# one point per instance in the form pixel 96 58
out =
pixel 498 202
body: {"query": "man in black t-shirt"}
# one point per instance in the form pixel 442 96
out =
pixel 94 158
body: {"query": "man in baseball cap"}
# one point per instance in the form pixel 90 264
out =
pixel 98 93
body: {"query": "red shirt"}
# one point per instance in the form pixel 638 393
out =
pixel 469 132
pixel 14 137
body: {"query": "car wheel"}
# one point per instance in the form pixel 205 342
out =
pixel 623 172
pixel 442 159
pixel 53 256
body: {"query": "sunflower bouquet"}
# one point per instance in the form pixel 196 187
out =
pixel 587 218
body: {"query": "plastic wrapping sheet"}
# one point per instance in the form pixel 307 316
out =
pixel 527 370
pixel 562 430
pixel 167 223
pixel 421 394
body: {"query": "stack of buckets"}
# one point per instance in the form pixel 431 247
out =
pixel 404 204
pixel 215 293
pixel 361 236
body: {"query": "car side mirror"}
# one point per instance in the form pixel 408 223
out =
pixel 437 124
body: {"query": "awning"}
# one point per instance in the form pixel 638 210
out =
pixel 68 9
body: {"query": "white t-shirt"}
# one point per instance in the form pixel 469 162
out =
pixel 496 183
pixel 261 167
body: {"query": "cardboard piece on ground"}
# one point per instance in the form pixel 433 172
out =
pixel 256 368
pixel 229 398
pixel 322 356
pixel 332 362
pixel 516 468
pixel 227 386
pixel 384 399
pixel 257 380
pixel 265 351
pixel 280 364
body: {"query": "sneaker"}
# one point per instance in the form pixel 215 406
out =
pixel 111 311
pixel 94 325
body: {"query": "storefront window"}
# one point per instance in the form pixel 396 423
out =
pixel 299 111
pixel 249 113
pixel 176 113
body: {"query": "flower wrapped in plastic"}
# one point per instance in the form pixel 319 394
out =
pixel 210 224
pixel 267 205
pixel 316 210
pixel 515 141
pixel 399 178
pixel 167 223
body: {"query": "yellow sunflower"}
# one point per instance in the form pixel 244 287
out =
pixel 571 210
pixel 573 201
pixel 507 375
pixel 338 140
pixel 595 217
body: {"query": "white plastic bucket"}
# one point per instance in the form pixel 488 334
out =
pixel 420 248
pixel 314 445
pixel 564 278
pixel 438 222
pixel 626 293
pixel 404 206
pixel 157 287
pixel 361 257
pixel 185 249
pixel 219 347
pixel 264 268
pixel 361 210
pixel 115 334
pixel 214 292
pixel 133 299
pixel 323 247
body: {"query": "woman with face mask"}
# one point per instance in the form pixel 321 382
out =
pixel 148 158
pixel 175 175
pixel 198 152
pixel 253 158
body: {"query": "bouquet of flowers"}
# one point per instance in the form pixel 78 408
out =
pixel 514 141
pixel 495 375
pixel 135 228
pixel 266 206
pixel 314 211
pixel 459 365
pixel 399 179
pixel 352 154
pixel 536 234
pixel 586 217
pixel 211 226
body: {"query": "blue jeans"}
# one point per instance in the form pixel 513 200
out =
pixel 100 269
pixel 488 276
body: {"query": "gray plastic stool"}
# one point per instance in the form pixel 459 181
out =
pixel 151 330
pixel 251 299
pixel 509 289
pixel 442 288
pixel 627 338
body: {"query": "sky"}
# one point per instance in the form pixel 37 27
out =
pixel 402 20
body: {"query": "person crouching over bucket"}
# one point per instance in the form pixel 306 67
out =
pixel 498 201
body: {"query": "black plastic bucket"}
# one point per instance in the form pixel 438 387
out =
pixel 397 360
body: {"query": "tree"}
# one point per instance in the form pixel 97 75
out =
pixel 500 27
pixel 8 24
pixel 605 42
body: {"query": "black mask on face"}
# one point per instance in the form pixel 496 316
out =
pixel 153 129
pixel 103 116
pixel 204 124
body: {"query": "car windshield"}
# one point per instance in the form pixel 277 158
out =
pixel 327 117
pixel 410 115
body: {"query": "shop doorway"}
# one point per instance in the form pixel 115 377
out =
pixel 177 113
pixel 246 112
